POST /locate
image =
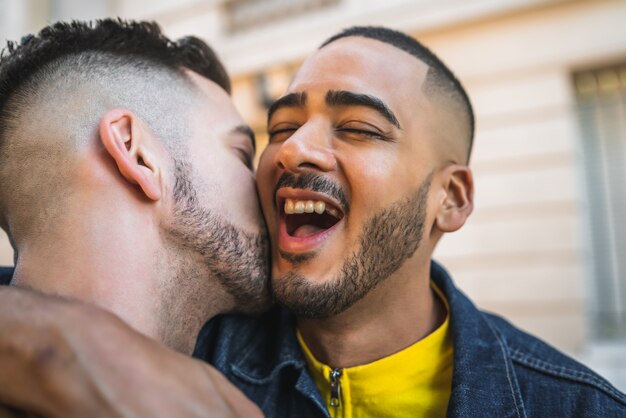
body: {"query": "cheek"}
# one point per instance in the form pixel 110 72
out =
pixel 229 189
pixel 265 179
pixel 239 200
pixel 375 180
pixel 241 188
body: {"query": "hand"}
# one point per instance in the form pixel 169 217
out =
pixel 62 358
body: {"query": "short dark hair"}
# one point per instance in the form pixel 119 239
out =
pixel 55 86
pixel 128 40
pixel 442 75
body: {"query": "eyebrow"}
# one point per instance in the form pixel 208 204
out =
pixel 348 98
pixel 247 131
pixel 289 100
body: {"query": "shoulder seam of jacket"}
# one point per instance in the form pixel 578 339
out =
pixel 503 348
pixel 580 376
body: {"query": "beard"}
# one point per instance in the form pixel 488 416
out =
pixel 388 239
pixel 212 246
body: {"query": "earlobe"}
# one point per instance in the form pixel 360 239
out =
pixel 457 198
pixel 128 143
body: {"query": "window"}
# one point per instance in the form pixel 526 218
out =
pixel 247 14
pixel 601 97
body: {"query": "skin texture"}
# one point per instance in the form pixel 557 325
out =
pixel 378 166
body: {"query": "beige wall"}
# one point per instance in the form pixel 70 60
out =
pixel 6 252
pixel 18 17
pixel 523 252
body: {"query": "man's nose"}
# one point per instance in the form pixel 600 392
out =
pixel 309 147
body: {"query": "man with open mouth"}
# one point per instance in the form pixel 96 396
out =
pixel 365 171
pixel 367 168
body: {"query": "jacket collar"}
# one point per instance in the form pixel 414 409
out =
pixel 275 343
pixel 273 354
pixel 483 379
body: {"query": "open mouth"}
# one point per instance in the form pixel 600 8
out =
pixel 305 218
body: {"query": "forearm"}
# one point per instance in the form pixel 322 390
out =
pixel 63 358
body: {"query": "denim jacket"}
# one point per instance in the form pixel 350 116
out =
pixel 499 371
pixel 6 274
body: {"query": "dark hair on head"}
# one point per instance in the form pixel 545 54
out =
pixel 56 85
pixel 139 40
pixel 445 78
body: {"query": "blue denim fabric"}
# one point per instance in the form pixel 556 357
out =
pixel 6 274
pixel 499 371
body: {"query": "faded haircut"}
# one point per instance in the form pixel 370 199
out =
pixel 56 85
pixel 439 79
pixel 96 49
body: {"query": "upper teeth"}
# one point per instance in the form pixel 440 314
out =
pixel 308 206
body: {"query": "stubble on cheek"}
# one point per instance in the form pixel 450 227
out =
pixel 388 239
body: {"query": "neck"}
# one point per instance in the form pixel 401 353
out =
pixel 399 312
pixel 114 257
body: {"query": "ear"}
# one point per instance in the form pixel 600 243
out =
pixel 457 198
pixel 131 146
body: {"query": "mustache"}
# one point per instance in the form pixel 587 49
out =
pixel 316 183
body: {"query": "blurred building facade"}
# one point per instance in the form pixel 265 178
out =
pixel 546 245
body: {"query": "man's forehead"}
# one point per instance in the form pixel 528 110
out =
pixel 364 66
pixel 360 62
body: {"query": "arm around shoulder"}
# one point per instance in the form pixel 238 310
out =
pixel 64 358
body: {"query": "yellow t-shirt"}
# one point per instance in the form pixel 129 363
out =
pixel 415 382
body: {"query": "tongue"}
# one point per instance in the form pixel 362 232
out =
pixel 306 230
